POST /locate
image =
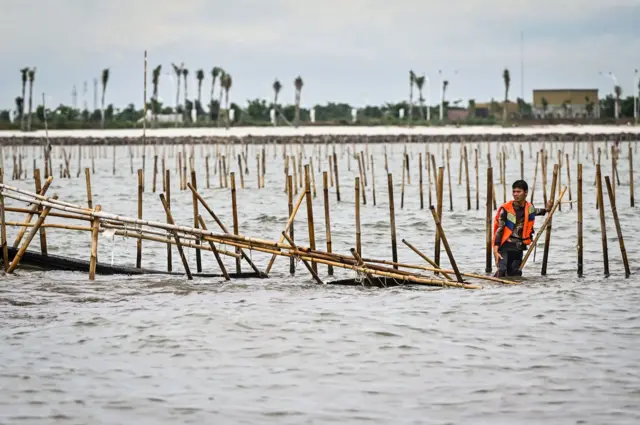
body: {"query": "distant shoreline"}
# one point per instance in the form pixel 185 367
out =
pixel 335 134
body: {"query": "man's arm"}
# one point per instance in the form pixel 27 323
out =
pixel 501 223
pixel 543 211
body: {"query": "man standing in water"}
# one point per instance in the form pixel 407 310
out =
pixel 513 230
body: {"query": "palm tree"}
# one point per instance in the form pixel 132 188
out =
pixel 155 80
pixel 618 91
pixel 222 77
pixel 226 82
pixel 298 83
pixel 507 82
pixel 215 72
pixel 200 78
pixel 276 91
pixel 412 79
pixel 445 84
pixel 589 106
pixel 419 84
pixel 545 106
pixel 24 72
pixel 185 74
pixel 31 75
pixel 178 70
pixel 105 80
pixel 19 106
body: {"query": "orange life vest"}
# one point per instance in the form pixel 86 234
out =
pixel 527 229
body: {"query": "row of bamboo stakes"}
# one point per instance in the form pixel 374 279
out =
pixel 194 237
pixel 294 163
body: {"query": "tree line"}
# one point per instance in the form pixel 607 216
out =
pixel 190 111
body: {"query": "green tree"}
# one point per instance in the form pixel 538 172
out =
pixel 32 77
pixel 215 72
pixel 155 80
pixel 419 82
pixel 226 84
pixel 277 86
pixel 105 80
pixel 412 81
pixel 506 77
pixel 24 73
pixel 298 83
pixel 618 92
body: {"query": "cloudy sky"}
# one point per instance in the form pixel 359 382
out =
pixel 356 51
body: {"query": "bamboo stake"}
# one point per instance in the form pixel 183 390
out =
pixel 43 232
pixel 443 237
pixel 631 189
pixel 307 189
pixel 614 212
pixel 439 184
pixel 357 203
pixel 234 210
pixel 312 268
pixel 419 179
pixel 167 189
pixel 139 242
pixel 404 159
pixel 29 238
pixel 488 228
pixel 194 201
pixel 3 226
pixel 448 177
pixel 155 173
pixel 360 168
pixel 475 154
pixel 34 208
pixel 87 175
pixel 373 182
pixel 288 225
pixel 580 239
pixel 327 218
pixel 392 219
pixel 569 179
pixel 176 237
pixel 292 263
pixel 603 227
pixel 547 236
pixel 94 246
pixel 542 229
pixel 466 172
pixel 216 254
pixel 361 263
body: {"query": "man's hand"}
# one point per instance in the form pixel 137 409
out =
pixel 497 255
pixel 549 206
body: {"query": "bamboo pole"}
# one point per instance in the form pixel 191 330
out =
pixel 234 211
pixel 404 159
pixel 542 229
pixel 29 238
pixel 614 212
pixel 43 232
pixel 547 236
pixel 3 226
pixel 569 180
pixel 392 219
pixel 312 268
pixel 155 173
pixel 580 238
pixel 95 224
pixel 335 172
pixel 34 209
pixel 603 227
pixel 87 175
pixel 288 225
pixel 361 263
pixel 488 228
pixel 307 189
pixel 216 254
pixel 373 182
pixel 196 224
pixel 420 180
pixel 292 263
pixel 362 187
pixel 466 172
pixel 427 259
pixel 327 218
pixel 448 177
pixel 176 237
pixel 357 203
pixel 439 184
pixel 631 189
pixel 443 237
pixel 139 242
pixel 475 154
pixel 167 189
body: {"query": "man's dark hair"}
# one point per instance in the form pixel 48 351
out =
pixel 520 184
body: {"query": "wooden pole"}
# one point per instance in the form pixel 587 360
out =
pixel 614 212
pixel 312 234
pixel 43 231
pixel 292 262
pixel 603 227
pixel 95 225
pixel 547 236
pixel 439 184
pixel 580 239
pixel 488 227
pixel 420 180
pixel 167 189
pixel 466 172
pixel 448 177
pixel 335 172
pixel 443 237
pixel 357 202
pixel 392 218
pixel 196 223
pixel 155 173
pixel 312 268
pixel 216 254
pixel 29 238
pixel 327 218
pixel 475 153
pixel 373 182
pixel 234 210
pixel 569 179
pixel 34 209
pixel 631 190
pixel 139 242
pixel 3 226
pixel 176 237
pixel 87 175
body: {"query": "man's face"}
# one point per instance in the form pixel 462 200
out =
pixel 519 195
